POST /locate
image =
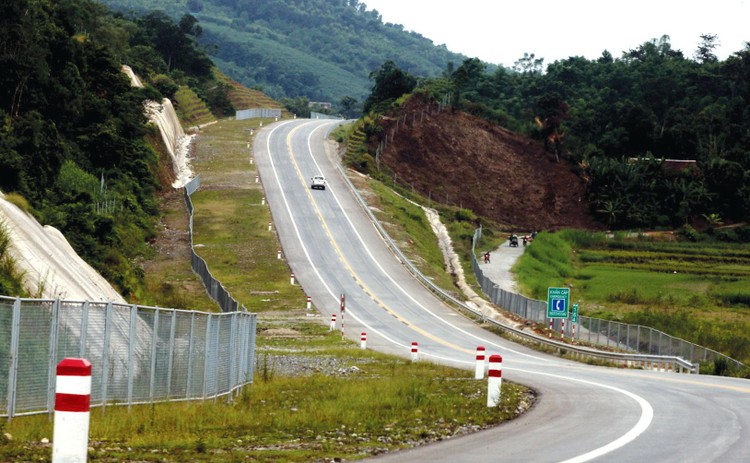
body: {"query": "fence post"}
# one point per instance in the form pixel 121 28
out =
pixel 72 409
pixel 232 349
pixel 84 330
pixel 52 354
pixel 132 336
pixel 154 341
pixel 15 334
pixel 207 355
pixel 105 354
pixel 170 363
pixel 190 355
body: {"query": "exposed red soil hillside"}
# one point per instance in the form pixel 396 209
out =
pixel 480 166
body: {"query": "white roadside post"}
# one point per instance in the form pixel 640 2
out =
pixel 278 254
pixel 414 351
pixel 494 380
pixel 363 340
pixel 479 373
pixel 333 322
pixel 291 278
pixel 70 439
pixel 270 226
pixel 309 303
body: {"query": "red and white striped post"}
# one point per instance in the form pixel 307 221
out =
pixel 257 178
pixel 343 308
pixel 479 373
pixel 291 278
pixel 278 254
pixel 414 351
pixel 573 334
pixel 562 331
pixel 363 340
pixel 333 322
pixel 70 440
pixel 550 328
pixel 309 303
pixel 263 201
pixel 270 226
pixel 494 380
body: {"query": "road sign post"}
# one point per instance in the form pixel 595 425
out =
pixel 574 320
pixel 557 302
pixel 557 305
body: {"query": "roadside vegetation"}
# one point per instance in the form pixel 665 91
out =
pixel 315 396
pixel 698 291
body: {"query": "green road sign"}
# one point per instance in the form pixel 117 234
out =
pixel 574 316
pixel 558 302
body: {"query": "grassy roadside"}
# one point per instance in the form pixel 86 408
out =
pixel 315 396
pixel 695 291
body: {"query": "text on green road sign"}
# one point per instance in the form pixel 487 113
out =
pixel 574 315
pixel 558 302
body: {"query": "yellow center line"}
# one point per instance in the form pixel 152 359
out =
pixel 348 266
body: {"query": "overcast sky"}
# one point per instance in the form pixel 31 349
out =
pixel 500 31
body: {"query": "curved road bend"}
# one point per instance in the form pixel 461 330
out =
pixel 584 413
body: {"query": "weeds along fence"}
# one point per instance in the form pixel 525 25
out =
pixel 214 288
pixel 596 331
pixel 138 354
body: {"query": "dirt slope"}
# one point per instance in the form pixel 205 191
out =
pixel 483 167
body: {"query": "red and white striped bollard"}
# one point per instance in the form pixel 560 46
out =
pixel 291 278
pixel 550 328
pixel 414 351
pixel 562 331
pixel 363 340
pixel 70 440
pixel 270 226
pixel 494 380
pixel 333 322
pixel 479 373
pixel 309 303
pixel 343 309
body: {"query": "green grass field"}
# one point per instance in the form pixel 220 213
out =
pixel 696 291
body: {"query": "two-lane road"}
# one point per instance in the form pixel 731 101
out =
pixel 583 412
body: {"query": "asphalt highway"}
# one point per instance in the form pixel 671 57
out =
pixel 583 413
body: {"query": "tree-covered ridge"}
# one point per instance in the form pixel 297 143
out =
pixel 320 49
pixel 615 119
pixel 72 139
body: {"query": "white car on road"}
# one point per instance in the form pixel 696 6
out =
pixel 318 183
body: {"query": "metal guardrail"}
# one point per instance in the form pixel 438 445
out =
pixel 665 362
pixel 611 334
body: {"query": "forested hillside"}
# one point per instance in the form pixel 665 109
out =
pixel 74 139
pixel 323 50
pixel 614 120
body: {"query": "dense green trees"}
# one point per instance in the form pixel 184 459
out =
pixel 616 119
pixel 72 127
pixel 319 49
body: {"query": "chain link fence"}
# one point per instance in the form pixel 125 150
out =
pixel 608 333
pixel 138 354
pixel 214 288
pixel 255 113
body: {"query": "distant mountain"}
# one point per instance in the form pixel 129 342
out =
pixel 320 49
